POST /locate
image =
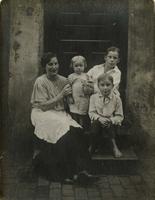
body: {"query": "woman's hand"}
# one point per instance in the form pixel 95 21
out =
pixel 104 121
pixel 66 90
pixel 51 103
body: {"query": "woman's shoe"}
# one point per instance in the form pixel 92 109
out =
pixel 68 181
pixel 84 178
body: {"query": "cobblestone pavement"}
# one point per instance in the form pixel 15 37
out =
pixel 132 187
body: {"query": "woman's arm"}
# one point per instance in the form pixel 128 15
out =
pixel 51 103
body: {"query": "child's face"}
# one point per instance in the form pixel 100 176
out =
pixel 105 87
pixel 78 67
pixel 52 67
pixel 112 58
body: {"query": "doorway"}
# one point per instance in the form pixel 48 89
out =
pixel 88 28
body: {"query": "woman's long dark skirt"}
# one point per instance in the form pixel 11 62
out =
pixel 62 160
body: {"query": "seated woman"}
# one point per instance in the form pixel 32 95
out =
pixel 63 152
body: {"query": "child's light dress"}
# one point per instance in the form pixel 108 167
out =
pixel 80 103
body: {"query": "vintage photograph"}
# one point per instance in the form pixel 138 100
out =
pixel 77 99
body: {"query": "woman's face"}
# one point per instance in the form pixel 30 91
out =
pixel 52 67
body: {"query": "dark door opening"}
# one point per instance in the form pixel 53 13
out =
pixel 86 27
pixel 4 70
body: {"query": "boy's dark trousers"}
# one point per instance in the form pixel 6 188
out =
pixel 98 132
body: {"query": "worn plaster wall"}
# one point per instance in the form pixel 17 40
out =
pixel 141 65
pixel 25 47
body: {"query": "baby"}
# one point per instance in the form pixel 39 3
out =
pixel 82 88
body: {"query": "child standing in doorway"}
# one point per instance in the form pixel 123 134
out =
pixel 82 88
pixel 106 114
pixel 110 66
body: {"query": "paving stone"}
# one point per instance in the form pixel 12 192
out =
pixel 103 183
pixel 68 193
pixel 113 180
pixel 10 192
pixel 118 190
pixel 126 182
pixel 26 193
pixel 107 196
pixel 55 185
pixel 68 198
pixel 103 179
pixel 55 198
pixel 10 180
pixel 105 190
pixel 55 193
pixel 137 197
pixel 26 198
pixel 131 192
pixel 81 193
pixel 67 187
pixel 95 198
pixel 42 192
pixel 32 185
pixel 67 190
pixel 43 182
pixel 92 189
pixel 93 193
pixel 136 180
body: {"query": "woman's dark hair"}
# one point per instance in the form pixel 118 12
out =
pixel 46 58
pixel 105 76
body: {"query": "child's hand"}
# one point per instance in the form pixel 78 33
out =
pixel 88 88
pixel 105 121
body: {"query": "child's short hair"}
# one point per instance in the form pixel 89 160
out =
pixel 104 76
pixel 113 49
pixel 76 58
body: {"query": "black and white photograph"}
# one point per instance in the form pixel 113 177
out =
pixel 77 99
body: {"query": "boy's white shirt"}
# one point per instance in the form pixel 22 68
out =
pixel 109 107
pixel 97 70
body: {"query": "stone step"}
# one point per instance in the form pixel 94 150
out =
pixel 107 164
pixel 127 155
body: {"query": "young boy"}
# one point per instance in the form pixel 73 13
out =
pixel 110 66
pixel 106 113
